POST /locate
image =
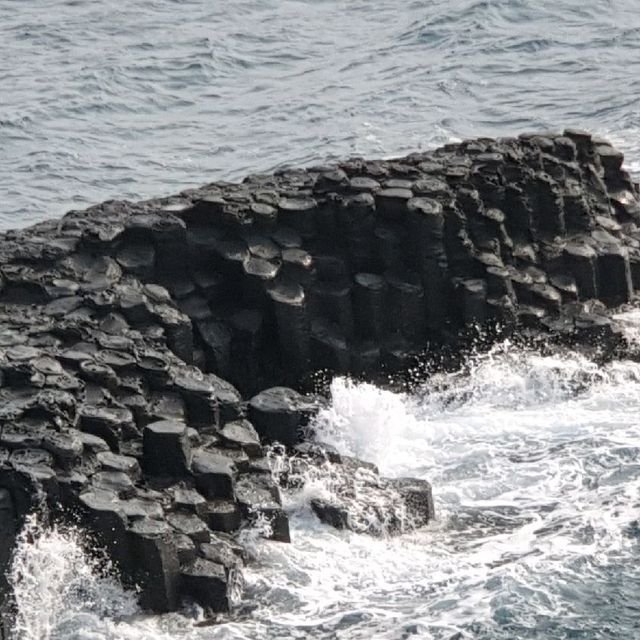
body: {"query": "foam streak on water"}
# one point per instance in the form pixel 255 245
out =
pixel 535 463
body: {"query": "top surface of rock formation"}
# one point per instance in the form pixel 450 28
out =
pixel 350 266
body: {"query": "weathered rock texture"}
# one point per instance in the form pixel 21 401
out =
pixel 132 334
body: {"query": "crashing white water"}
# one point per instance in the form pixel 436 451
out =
pixel 54 582
pixel 535 466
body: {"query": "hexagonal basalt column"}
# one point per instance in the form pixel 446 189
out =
pixel 166 448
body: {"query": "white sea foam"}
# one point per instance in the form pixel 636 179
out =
pixel 55 584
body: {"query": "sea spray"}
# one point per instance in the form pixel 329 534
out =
pixel 51 571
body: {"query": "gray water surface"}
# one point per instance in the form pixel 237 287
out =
pixel 141 98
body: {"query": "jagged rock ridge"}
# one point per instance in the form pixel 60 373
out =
pixel 133 334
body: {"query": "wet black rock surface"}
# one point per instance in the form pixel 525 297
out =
pixel 149 351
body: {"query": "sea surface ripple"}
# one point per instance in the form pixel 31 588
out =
pixel 133 99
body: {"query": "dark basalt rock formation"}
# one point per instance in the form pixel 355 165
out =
pixel 8 525
pixel 360 499
pixel 148 351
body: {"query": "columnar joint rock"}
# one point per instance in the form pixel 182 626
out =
pixel 149 351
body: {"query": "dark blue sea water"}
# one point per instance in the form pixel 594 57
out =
pixel 115 99
pixel 535 461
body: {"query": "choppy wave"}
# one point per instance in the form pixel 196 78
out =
pixel 110 99
pixel 535 464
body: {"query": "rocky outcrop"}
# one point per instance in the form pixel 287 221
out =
pixel 148 351
pixel 354 496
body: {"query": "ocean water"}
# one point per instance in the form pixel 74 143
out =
pixel 534 461
pixel 142 98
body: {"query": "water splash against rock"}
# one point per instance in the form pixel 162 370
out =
pixel 53 578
